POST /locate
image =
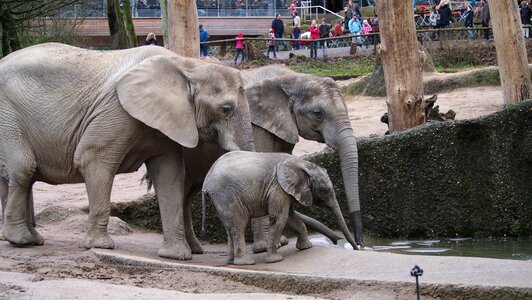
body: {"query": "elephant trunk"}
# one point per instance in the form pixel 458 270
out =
pixel 342 225
pixel 346 145
pixel 319 227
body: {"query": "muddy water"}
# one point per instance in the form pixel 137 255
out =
pixel 502 248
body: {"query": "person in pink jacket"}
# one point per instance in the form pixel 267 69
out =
pixel 240 47
pixel 314 34
pixel 366 29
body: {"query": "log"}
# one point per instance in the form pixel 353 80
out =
pixel 511 51
pixel 401 61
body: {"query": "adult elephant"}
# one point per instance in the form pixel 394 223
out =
pixel 285 105
pixel 69 115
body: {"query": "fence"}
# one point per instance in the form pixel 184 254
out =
pixel 346 40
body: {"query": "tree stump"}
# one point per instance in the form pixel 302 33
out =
pixel 401 64
pixel 511 51
pixel 254 51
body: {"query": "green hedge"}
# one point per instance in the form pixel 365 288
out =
pixel 467 178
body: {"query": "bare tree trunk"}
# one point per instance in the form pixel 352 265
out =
pixel 117 28
pixel 164 16
pixel 511 51
pixel 401 63
pixel 128 20
pixel 183 30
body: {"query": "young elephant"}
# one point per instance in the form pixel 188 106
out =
pixel 244 185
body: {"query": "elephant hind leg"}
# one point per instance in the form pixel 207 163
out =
pixel 192 240
pixel 17 228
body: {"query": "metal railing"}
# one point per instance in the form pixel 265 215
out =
pixel 307 11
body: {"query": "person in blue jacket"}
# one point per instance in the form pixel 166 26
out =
pixel 204 37
pixel 356 29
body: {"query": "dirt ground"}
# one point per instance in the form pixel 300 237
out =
pixel 63 222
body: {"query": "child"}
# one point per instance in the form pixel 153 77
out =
pixel 271 43
pixel 366 29
pixel 240 47
pixel 314 34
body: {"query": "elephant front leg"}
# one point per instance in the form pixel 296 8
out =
pixel 277 217
pixel 296 224
pixel 168 175
pixel 99 182
pixel 260 228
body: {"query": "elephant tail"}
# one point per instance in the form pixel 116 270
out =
pixel 148 180
pixel 203 212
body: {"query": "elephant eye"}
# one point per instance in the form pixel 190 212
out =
pixel 227 109
pixel 317 113
pixel 325 190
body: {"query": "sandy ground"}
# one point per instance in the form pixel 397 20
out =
pixel 62 257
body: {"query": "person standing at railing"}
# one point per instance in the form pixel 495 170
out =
pixel 296 30
pixel 271 44
pixel 314 34
pixel 203 37
pixel 325 32
pixel 366 29
pixel 240 47
pixel 469 16
pixel 348 16
pixel 356 28
pixel 278 29
pixel 486 17
pixel 445 12
pixel 293 7
pixel 526 14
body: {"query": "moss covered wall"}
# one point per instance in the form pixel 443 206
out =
pixel 469 178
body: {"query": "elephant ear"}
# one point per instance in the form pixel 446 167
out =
pixel 157 92
pixel 295 180
pixel 270 108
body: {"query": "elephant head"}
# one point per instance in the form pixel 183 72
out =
pixel 188 100
pixel 310 184
pixel 289 105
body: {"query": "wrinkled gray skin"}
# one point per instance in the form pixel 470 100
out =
pixel 244 185
pixel 282 104
pixel 69 115
pixel 285 105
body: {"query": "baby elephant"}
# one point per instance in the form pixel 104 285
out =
pixel 244 185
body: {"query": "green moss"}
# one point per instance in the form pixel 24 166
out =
pixel 466 177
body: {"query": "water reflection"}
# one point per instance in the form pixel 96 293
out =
pixel 503 248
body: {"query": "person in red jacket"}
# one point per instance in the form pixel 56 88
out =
pixel 239 47
pixel 314 34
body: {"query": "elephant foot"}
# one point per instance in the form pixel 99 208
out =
pixel 283 241
pixel 245 259
pixel 21 235
pixel 303 244
pixel 175 251
pixel 271 258
pixel 196 247
pixel 259 246
pixel 98 240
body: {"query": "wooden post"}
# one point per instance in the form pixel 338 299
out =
pixel 183 30
pixel 402 64
pixel 511 51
